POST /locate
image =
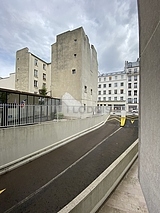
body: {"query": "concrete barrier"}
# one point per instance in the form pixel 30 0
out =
pixel 89 200
pixel 22 144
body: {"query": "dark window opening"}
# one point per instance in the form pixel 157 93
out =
pixel 73 71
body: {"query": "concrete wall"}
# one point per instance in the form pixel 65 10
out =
pixel 72 51
pixel 22 144
pixel 149 134
pixel 97 192
pixel 8 82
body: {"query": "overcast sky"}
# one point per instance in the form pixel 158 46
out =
pixel 111 25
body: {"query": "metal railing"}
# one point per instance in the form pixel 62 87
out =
pixel 16 115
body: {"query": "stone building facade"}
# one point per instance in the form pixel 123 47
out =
pixel 120 90
pixel 32 73
pixel 74 69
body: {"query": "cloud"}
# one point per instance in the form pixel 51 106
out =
pixel 112 27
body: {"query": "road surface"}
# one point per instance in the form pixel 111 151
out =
pixel 50 182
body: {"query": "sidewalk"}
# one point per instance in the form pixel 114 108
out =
pixel 128 196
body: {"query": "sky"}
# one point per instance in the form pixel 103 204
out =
pixel 111 26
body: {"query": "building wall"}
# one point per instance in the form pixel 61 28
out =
pixel 74 67
pixel 132 94
pixel 120 90
pixel 8 82
pixel 112 90
pixel 149 134
pixel 22 70
pixel 31 72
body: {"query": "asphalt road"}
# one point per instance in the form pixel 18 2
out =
pixel 48 183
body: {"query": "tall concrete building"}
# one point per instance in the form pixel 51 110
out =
pixel 32 73
pixel 149 132
pixel 74 69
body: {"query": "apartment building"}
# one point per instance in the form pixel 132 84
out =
pixel 132 96
pixel 120 90
pixel 32 73
pixel 112 90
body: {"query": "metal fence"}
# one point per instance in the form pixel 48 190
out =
pixel 16 115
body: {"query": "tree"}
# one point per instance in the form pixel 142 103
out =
pixel 43 91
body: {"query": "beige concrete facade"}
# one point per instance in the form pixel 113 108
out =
pixel 149 149
pixel 31 72
pixel 74 68
pixel 8 82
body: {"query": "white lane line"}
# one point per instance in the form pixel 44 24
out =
pixel 49 182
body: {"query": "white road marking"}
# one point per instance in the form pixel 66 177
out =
pixel 49 182
pixel 1 191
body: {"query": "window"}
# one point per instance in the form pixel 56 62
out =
pixel 104 79
pixel 35 62
pixel 99 86
pixel 109 85
pixel 44 76
pixel 110 78
pixel 129 100
pixel 44 84
pixel 135 85
pixel 35 83
pixel 17 59
pixel 135 70
pixel 129 85
pixel 73 71
pixel 75 55
pixel 99 92
pixel 99 98
pixel 104 98
pixel 122 76
pixel 115 77
pixel 121 98
pixel 109 98
pixel 44 66
pixel 115 84
pixel 99 79
pixel 115 98
pixel 115 91
pixel 135 92
pixel 91 91
pixel 121 91
pixel 122 84
pixel 135 78
pixel 135 100
pixel 129 78
pixel 85 89
pixel 104 92
pixel 129 93
pixel 35 73
pixel 104 85
pixel 129 70
pixel 109 91
pixel 75 39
